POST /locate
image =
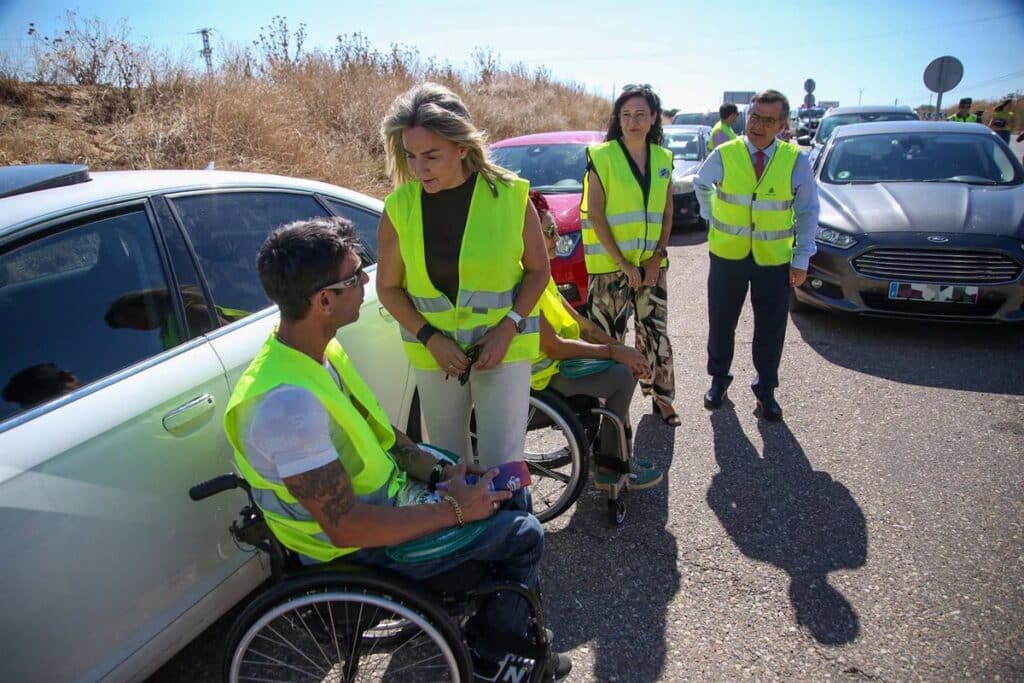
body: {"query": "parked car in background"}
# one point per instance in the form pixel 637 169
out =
pixel 689 147
pixel 807 120
pixel 841 116
pixel 554 163
pixel 919 219
pixel 711 118
pixel 132 304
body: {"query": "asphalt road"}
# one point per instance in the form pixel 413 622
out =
pixel 877 534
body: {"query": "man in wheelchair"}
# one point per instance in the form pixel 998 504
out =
pixel 579 358
pixel 328 470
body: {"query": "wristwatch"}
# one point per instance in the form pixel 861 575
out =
pixel 436 473
pixel 518 320
pixel 662 252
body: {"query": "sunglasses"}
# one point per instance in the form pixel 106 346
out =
pixel 351 281
pixel 472 353
pixel 636 86
pixel 550 230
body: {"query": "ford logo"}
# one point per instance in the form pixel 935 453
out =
pixel 938 239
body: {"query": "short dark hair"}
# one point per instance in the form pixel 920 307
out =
pixel 771 97
pixel 727 110
pixel 966 102
pixel 300 258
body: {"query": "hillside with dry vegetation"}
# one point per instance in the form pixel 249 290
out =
pixel 269 108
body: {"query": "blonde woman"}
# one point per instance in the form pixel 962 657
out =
pixel 462 266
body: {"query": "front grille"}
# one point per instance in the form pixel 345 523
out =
pixel 947 266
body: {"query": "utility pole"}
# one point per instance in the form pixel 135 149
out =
pixel 206 52
pixel 860 92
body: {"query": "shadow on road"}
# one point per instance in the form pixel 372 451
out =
pixel 608 588
pixel 685 238
pixel 777 509
pixel 983 358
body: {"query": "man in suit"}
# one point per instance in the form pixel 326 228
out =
pixel 761 203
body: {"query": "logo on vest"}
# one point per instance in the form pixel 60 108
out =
pixel 771 190
pixel 663 172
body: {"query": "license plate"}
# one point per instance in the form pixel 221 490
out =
pixel 917 291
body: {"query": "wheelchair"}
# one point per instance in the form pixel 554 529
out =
pixel 340 622
pixel 562 438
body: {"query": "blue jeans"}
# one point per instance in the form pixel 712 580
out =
pixel 513 544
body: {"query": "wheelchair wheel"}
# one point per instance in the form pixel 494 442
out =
pixel 340 627
pixel 557 453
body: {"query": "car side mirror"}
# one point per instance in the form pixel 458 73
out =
pixel 803 140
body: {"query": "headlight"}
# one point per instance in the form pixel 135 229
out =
pixel 566 243
pixel 834 238
pixel 682 185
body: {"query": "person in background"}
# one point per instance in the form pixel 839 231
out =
pixel 461 267
pixel 565 334
pixel 626 213
pixel 761 203
pixel 1001 120
pixel 963 112
pixel 722 131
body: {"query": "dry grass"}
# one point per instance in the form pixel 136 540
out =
pixel 316 117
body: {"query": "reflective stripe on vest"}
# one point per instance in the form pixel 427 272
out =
pixel 635 228
pixel 750 215
pixel 488 285
pixel 564 325
pixel 372 471
pixel 719 127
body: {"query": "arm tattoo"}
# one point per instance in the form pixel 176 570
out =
pixel 406 456
pixel 327 487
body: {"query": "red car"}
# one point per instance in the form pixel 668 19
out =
pixel 554 164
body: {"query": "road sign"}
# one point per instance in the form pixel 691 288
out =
pixel 809 85
pixel 942 75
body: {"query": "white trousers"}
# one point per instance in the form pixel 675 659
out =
pixel 501 399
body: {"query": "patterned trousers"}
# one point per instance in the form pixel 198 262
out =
pixel 612 301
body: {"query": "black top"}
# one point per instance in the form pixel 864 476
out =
pixel 444 223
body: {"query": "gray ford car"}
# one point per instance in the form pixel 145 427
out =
pixel 921 220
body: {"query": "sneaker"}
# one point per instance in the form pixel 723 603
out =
pixel 558 667
pixel 510 668
pixel 643 475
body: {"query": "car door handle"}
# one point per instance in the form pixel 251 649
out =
pixel 384 314
pixel 188 416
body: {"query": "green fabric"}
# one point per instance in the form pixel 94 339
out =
pixel 740 212
pixel 581 367
pixel 369 465
pixel 636 228
pixel 490 269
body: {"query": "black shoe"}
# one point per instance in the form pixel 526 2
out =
pixel 716 394
pixel 769 407
pixel 514 667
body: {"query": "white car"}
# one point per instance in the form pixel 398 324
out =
pixel 131 305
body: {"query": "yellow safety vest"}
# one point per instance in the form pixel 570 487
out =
pixel 564 325
pixel 718 127
pixel 636 228
pixel 369 465
pixel 969 118
pixel 490 269
pixel 749 214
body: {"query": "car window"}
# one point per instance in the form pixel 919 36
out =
pixel 913 157
pixel 227 230
pixel 685 146
pixel 85 301
pixel 830 123
pixel 365 222
pixel 550 169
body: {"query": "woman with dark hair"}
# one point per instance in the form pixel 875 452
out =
pixel 627 221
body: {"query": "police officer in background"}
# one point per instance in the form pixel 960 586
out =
pixel 759 198
pixel 722 131
pixel 963 112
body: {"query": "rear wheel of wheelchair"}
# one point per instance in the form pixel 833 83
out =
pixel 557 453
pixel 337 627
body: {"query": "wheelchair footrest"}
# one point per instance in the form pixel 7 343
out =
pixel 612 462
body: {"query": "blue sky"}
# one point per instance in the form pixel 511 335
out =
pixel 872 50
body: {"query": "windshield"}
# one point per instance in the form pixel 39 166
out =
pixel 829 124
pixel 549 168
pixel 811 113
pixel 696 119
pixel 921 157
pixel 685 146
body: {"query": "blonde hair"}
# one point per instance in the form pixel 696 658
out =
pixel 441 111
